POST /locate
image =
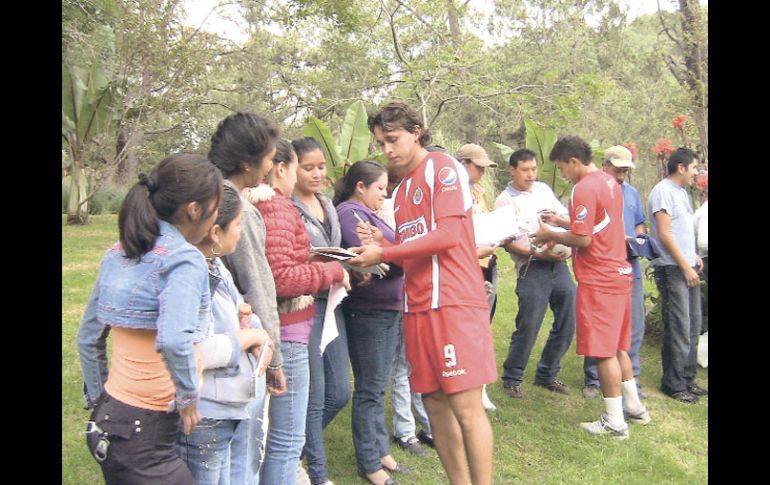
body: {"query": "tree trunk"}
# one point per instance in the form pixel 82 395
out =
pixel 126 150
pixel 454 23
pixel 77 213
pixel 694 59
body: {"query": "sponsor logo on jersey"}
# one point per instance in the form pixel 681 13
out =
pixel 447 176
pixel 412 230
pixel 417 196
pixel 581 213
pixel 625 271
pixel 453 373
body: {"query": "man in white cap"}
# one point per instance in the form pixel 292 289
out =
pixel 476 160
pixel 617 163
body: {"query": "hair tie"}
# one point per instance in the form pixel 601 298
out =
pixel 151 185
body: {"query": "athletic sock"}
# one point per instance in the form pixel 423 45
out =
pixel 614 406
pixel 631 396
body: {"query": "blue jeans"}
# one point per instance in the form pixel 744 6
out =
pixel 372 341
pixel 401 397
pixel 286 432
pixel 544 282
pixel 251 444
pixel 680 307
pixel 329 389
pixel 637 336
pixel 207 450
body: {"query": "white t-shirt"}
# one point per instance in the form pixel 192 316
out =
pixel 701 219
pixel 528 205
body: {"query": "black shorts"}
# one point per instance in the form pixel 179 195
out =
pixel 141 445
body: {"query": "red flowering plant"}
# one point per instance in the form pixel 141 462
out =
pixel 662 150
pixel 679 124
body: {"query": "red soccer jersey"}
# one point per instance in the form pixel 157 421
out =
pixel 438 188
pixel 596 209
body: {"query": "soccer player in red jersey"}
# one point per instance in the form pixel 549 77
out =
pixel 604 275
pixel 446 314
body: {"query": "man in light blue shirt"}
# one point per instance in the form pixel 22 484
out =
pixel 676 274
pixel 617 162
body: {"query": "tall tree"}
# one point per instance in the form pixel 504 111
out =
pixel 689 64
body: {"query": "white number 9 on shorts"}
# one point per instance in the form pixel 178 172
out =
pixel 449 355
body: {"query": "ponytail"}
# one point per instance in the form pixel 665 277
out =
pixel 177 180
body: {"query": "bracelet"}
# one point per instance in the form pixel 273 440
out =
pixel 274 367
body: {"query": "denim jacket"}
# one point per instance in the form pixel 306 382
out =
pixel 229 380
pixel 166 290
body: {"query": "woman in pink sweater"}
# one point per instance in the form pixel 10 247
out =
pixel 287 246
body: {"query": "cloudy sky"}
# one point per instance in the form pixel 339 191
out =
pixel 216 19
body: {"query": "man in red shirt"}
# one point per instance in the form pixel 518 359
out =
pixel 604 275
pixel 446 321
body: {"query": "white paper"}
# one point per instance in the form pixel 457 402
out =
pixel 337 293
pixel 492 228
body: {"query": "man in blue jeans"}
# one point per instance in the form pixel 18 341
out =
pixel 617 163
pixel 676 274
pixel 543 279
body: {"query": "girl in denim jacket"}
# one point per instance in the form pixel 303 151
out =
pixel 216 450
pixel 152 295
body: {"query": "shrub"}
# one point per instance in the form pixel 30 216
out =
pixel 107 199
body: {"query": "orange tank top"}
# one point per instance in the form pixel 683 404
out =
pixel 138 375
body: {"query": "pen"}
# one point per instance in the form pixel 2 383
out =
pixel 371 234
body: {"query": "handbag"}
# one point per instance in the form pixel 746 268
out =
pixel 642 246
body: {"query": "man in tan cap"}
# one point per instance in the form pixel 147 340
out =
pixel 476 160
pixel 617 163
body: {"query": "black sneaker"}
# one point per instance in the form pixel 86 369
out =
pixel 554 386
pixel 513 390
pixel 683 396
pixel 697 390
pixel 410 444
pixel 425 438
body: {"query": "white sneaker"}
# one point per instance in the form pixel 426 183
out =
pixel 302 476
pixel 642 417
pixel 603 426
pixel 488 404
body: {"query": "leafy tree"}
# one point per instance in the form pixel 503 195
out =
pixel 89 114
pixel 689 62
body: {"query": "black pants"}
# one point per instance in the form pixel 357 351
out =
pixel 490 275
pixel 704 298
pixel 142 444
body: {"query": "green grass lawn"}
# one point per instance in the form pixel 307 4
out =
pixel 537 438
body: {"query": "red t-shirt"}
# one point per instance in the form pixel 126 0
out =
pixel 596 209
pixel 438 188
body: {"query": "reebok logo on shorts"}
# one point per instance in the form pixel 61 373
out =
pixel 453 373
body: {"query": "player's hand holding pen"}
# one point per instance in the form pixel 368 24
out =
pixel 367 233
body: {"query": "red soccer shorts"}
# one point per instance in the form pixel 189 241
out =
pixel 449 349
pixel 603 322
